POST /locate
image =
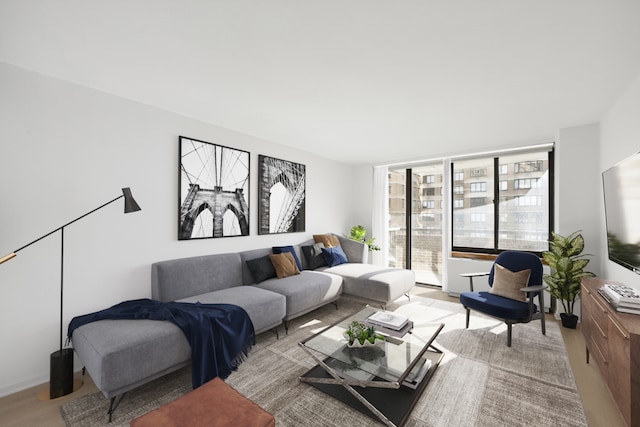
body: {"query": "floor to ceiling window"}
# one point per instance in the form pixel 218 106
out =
pixel 416 202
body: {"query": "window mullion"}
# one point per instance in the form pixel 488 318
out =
pixel 496 202
pixel 409 211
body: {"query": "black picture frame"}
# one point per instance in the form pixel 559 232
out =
pixel 281 196
pixel 213 195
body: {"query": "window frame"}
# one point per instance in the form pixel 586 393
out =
pixel 465 251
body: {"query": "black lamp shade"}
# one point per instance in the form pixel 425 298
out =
pixel 130 204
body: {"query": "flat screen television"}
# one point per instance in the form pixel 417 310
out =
pixel 621 186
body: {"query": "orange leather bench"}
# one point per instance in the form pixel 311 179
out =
pixel 212 404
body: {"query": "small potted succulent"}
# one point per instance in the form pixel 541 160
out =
pixel 360 335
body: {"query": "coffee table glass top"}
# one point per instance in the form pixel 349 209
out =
pixel 390 360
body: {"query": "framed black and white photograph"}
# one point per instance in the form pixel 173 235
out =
pixel 214 190
pixel 281 196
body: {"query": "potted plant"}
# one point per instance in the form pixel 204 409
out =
pixel 567 262
pixel 358 233
pixel 360 335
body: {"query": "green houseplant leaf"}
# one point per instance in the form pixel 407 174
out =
pixel 358 233
pixel 567 268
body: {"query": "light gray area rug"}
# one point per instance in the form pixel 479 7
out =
pixel 480 382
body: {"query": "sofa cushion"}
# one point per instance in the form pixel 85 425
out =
pixel 329 240
pixel 284 264
pixel 180 278
pixel 261 268
pixel 283 249
pixel 123 354
pixel 265 309
pixel 334 256
pixel 306 291
pixel 314 256
pixel 496 306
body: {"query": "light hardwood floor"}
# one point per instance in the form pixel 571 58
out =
pixel 25 409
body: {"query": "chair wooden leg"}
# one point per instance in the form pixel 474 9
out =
pixel 468 314
pixel 508 334
pixel 544 328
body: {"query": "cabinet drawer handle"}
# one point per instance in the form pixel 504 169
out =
pixel 622 332
pixel 604 359
pixel 604 310
pixel 595 322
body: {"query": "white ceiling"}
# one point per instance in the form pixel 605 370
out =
pixel 360 81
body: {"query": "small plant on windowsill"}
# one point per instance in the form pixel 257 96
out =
pixel 358 233
pixel 360 335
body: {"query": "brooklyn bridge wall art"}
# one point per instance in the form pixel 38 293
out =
pixel 281 196
pixel 214 190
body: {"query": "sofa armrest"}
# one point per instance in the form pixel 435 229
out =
pixel 355 251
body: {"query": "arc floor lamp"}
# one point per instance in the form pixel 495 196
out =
pixel 61 361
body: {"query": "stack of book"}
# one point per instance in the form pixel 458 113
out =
pixel 390 323
pixel 624 298
pixel 417 374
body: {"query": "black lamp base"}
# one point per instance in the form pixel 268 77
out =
pixel 61 373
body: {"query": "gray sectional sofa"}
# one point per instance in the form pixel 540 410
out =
pixel 123 354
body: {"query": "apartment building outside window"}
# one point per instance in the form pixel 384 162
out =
pixel 477 201
pixel 528 166
pixel 517 210
pixel 478 187
pixel 525 183
pixel 416 221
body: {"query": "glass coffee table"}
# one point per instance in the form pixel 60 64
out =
pixel 383 380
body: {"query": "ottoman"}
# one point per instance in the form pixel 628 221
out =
pixel 212 404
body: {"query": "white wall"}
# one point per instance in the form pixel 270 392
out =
pixel 620 138
pixel 66 149
pixel 362 197
pixel 578 187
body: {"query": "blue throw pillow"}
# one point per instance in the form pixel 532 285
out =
pixel 334 256
pixel 280 249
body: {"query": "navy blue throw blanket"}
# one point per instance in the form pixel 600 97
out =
pixel 220 335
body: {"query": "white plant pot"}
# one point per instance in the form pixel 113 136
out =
pixel 356 344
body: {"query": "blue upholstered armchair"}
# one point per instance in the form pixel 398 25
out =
pixel 515 279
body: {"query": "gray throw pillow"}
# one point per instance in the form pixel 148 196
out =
pixel 314 256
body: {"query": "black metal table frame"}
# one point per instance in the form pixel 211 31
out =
pixel 348 383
